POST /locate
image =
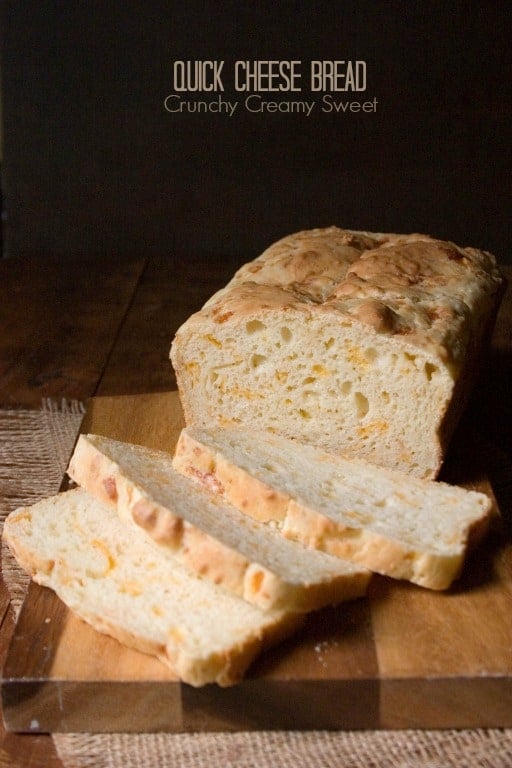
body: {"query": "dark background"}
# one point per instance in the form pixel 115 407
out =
pixel 93 164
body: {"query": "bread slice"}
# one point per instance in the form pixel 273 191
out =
pixel 361 343
pixel 388 521
pixel 121 585
pixel 249 558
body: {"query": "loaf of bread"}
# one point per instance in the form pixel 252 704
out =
pixel 116 581
pixel 358 342
pixel 206 534
pixel 392 523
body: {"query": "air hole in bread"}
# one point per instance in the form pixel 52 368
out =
pixel 253 326
pixel 346 387
pixel 286 334
pixel 371 354
pixel 257 360
pixel 430 370
pixel 362 405
pixel 305 414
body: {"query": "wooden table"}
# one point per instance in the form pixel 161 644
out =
pixel 103 326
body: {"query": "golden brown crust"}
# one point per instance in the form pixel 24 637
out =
pixel 431 292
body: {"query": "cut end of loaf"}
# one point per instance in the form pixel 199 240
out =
pixel 340 387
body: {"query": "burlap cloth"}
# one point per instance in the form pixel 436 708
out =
pixel 34 450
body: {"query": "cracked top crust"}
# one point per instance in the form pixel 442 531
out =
pixel 433 293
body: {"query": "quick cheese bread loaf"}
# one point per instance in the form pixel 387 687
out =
pixel 208 535
pixel 395 524
pixel 111 577
pixel 358 342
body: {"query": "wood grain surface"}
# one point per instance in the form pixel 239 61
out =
pixel 402 657
pixel 58 323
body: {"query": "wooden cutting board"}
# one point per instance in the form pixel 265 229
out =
pixel 403 657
